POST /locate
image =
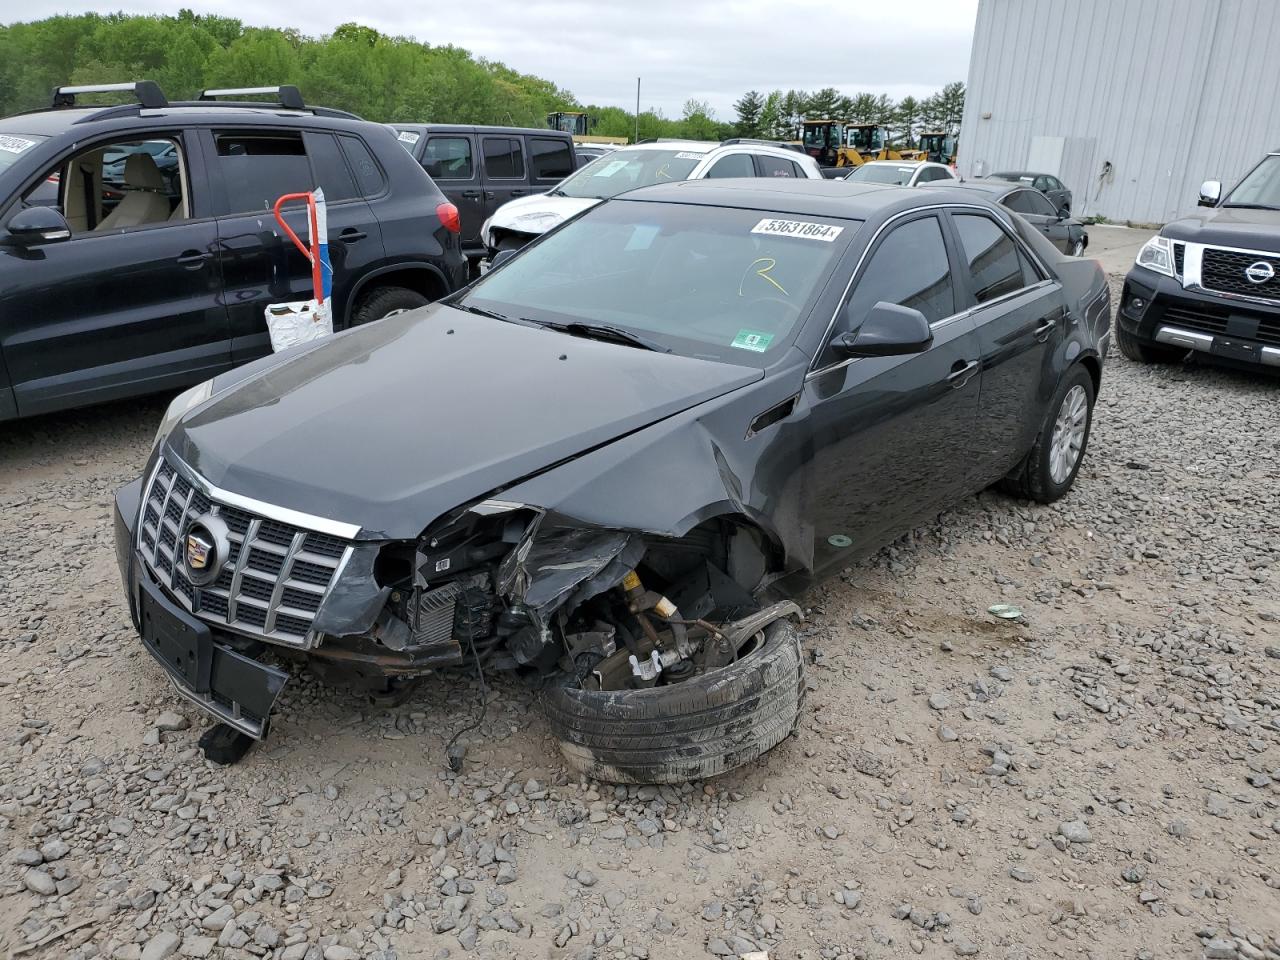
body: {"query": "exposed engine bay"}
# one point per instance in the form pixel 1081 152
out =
pixel 513 588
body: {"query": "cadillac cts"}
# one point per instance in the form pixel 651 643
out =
pixel 608 462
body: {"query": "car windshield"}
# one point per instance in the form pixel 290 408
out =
pixel 14 145
pixel 1261 188
pixel 882 173
pixel 716 283
pixel 624 170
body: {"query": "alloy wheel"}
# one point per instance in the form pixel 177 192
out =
pixel 1068 434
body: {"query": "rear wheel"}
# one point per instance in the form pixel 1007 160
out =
pixel 1077 249
pixel 697 728
pixel 1049 470
pixel 1142 351
pixel 383 302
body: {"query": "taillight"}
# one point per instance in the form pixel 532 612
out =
pixel 448 215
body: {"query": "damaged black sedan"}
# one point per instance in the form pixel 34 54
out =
pixel 608 463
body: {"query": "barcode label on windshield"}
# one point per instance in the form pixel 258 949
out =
pixel 689 156
pixel 798 228
pixel 15 144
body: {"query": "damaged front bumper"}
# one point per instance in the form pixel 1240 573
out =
pixel 231 687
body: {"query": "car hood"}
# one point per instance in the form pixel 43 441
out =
pixel 1229 227
pixel 538 213
pixel 391 425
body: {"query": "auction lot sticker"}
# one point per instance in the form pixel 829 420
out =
pixel 797 228
pixel 15 144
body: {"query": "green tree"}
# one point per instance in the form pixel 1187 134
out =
pixel 906 119
pixel 748 109
pixel 773 122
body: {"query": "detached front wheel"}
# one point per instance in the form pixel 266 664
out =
pixel 697 728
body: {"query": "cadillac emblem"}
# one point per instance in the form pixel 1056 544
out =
pixel 205 548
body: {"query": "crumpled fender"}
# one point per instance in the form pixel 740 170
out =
pixel 671 476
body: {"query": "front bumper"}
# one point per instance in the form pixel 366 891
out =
pixel 1158 309
pixel 228 685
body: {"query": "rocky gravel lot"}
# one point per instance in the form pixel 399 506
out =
pixel 1098 779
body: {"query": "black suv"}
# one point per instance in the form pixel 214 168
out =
pixel 1210 282
pixel 138 250
pixel 481 168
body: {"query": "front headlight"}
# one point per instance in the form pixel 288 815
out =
pixel 1157 254
pixel 179 406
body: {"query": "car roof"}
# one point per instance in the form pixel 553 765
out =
pixel 992 188
pixel 689 146
pixel 1020 173
pixel 895 163
pixel 825 198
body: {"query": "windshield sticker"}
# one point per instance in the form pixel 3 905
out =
pixel 408 136
pixel 609 169
pixel 752 340
pixel 689 156
pixel 797 228
pixel 15 144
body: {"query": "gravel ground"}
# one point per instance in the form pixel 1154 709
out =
pixel 1100 779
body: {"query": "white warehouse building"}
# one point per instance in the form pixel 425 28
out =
pixel 1131 103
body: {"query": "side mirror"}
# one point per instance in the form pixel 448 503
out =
pixel 887 331
pixel 1210 193
pixel 501 257
pixel 38 225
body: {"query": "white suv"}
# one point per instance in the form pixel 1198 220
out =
pixel 516 223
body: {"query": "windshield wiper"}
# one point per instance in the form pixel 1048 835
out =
pixel 1251 206
pixel 603 331
pixel 482 312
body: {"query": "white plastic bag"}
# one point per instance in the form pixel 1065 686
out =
pixel 298 322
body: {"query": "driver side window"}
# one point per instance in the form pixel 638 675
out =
pixel 116 186
pixel 909 268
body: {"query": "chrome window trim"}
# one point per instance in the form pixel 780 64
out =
pixel 296 518
pixel 1193 267
pixel 857 267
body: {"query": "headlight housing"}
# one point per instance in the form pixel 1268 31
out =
pixel 1157 254
pixel 179 406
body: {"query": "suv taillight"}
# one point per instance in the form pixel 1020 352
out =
pixel 448 215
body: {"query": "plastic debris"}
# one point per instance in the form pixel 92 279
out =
pixel 1005 611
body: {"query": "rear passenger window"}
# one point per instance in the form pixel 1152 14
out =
pixel 258 168
pixel 777 167
pixel 734 165
pixel 331 169
pixel 909 268
pixel 368 173
pixel 552 159
pixel 448 158
pixel 503 158
pixel 995 263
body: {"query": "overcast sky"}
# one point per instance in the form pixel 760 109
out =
pixel 710 51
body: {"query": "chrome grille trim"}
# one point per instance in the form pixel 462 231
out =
pixel 1193 273
pixel 244 599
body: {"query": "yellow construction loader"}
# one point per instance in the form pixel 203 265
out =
pixel 578 124
pixel 839 143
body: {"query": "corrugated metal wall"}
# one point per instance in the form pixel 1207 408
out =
pixel 1170 92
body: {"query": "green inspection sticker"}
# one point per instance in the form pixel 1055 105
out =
pixel 752 340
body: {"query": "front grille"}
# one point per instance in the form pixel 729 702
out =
pixel 1179 256
pixel 1224 271
pixel 276 575
pixel 1204 319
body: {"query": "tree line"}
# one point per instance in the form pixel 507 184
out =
pixel 775 115
pixel 389 79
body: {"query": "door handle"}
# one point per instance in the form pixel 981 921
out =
pixel 1046 328
pixel 351 235
pixel 471 194
pixel 489 195
pixel 960 373
pixel 192 259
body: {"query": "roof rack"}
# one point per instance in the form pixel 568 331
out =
pixel 288 96
pixel 148 93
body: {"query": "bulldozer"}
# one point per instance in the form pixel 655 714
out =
pixel 938 146
pixel 840 143
pixel 577 125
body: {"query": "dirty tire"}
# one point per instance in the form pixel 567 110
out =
pixel 1033 479
pixel 385 302
pixel 1139 351
pixel 702 727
